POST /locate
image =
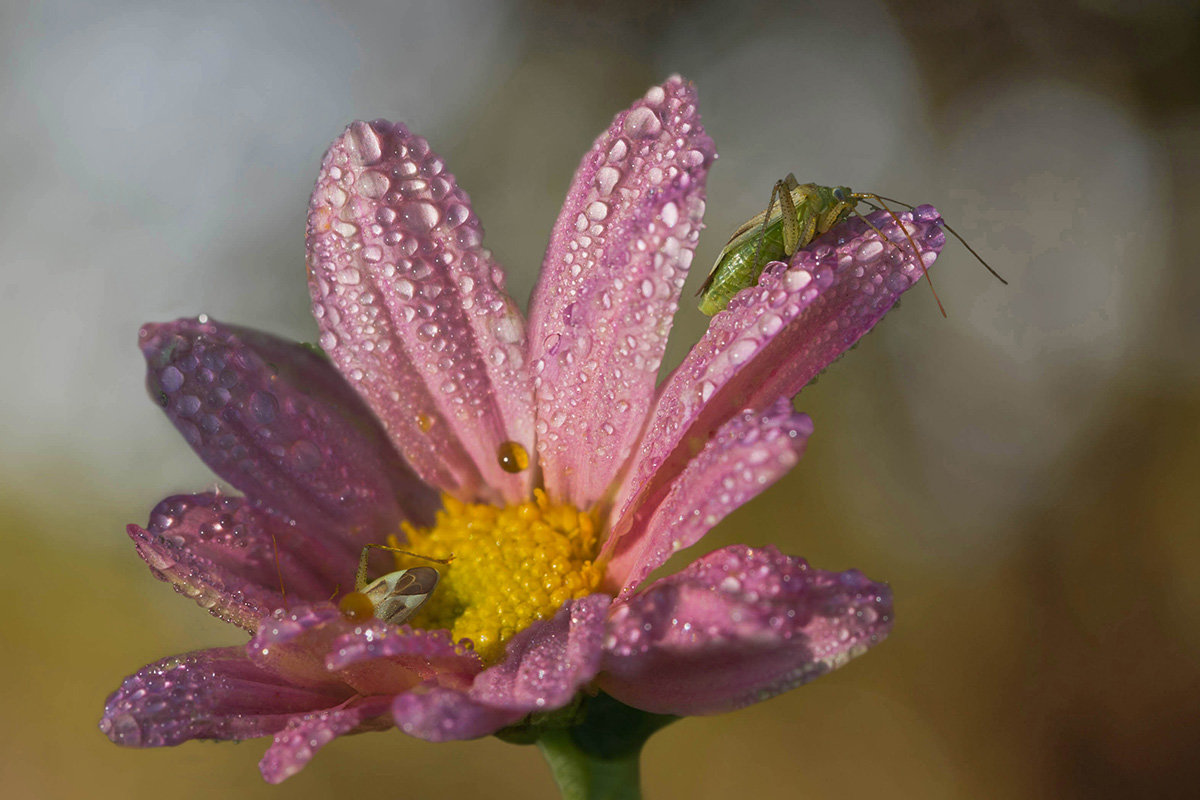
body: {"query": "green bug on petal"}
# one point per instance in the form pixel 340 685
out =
pixel 805 211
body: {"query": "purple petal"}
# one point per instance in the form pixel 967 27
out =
pixel 297 641
pixel 413 310
pixel 749 453
pixel 775 337
pixel 443 715
pixel 610 286
pixel 274 419
pixel 546 663
pixel 380 654
pixel 296 744
pixel 219 551
pixel 208 694
pixel 738 626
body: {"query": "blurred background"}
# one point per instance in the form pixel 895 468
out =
pixel 1023 472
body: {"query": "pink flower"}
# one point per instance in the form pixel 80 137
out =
pixel 540 453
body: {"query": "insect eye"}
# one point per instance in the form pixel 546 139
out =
pixel 838 194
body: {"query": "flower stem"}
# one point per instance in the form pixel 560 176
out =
pixel 583 777
pixel 599 757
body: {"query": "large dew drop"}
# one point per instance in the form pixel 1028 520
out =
pixel 512 457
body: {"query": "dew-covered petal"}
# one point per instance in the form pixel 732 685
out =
pixel 545 664
pixel 276 420
pixel 414 312
pixel 298 640
pixel 610 286
pixel 777 336
pixel 208 694
pixel 749 453
pixel 442 715
pixel 736 627
pixel 379 654
pixel 304 735
pixel 234 559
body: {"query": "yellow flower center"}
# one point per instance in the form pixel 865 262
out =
pixel 512 566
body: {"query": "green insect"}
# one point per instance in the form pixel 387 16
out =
pixel 806 210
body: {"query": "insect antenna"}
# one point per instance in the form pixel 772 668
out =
pixel 414 555
pixel 970 249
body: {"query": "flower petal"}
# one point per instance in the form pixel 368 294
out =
pixel 208 694
pixel 545 664
pixel 296 744
pixel 296 641
pixel 376 650
pixel 276 420
pixel 738 626
pixel 413 310
pixel 610 286
pixel 221 551
pixel 777 336
pixel 443 715
pixel 748 453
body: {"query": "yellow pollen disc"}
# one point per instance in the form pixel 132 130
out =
pixel 512 566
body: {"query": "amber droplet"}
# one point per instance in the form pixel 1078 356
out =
pixel 424 423
pixel 512 457
pixel 356 606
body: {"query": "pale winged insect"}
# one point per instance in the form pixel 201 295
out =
pixel 805 211
pixel 393 597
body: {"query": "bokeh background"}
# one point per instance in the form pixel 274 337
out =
pixel 1024 472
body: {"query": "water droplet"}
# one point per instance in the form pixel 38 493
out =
pixel 457 215
pixel 618 151
pixel 597 210
pixel 170 379
pixel 869 251
pixel 373 185
pixel 365 143
pixel 188 405
pixel 642 122
pixel 606 179
pixel 404 289
pixel 670 215
pixel 897 281
pixel 263 407
pixel 349 276
pixel 796 279
pixel 337 196
pixel 419 216
pixel 770 324
pixel 512 457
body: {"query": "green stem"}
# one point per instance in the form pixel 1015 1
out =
pixel 596 755
pixel 581 776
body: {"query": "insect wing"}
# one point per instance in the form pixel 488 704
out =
pixel 398 595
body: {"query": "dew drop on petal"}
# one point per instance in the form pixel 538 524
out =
pixel 642 123
pixel 365 142
pixel 606 179
pixel 512 457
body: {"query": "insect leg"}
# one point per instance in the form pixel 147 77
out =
pixel 970 249
pixel 916 251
